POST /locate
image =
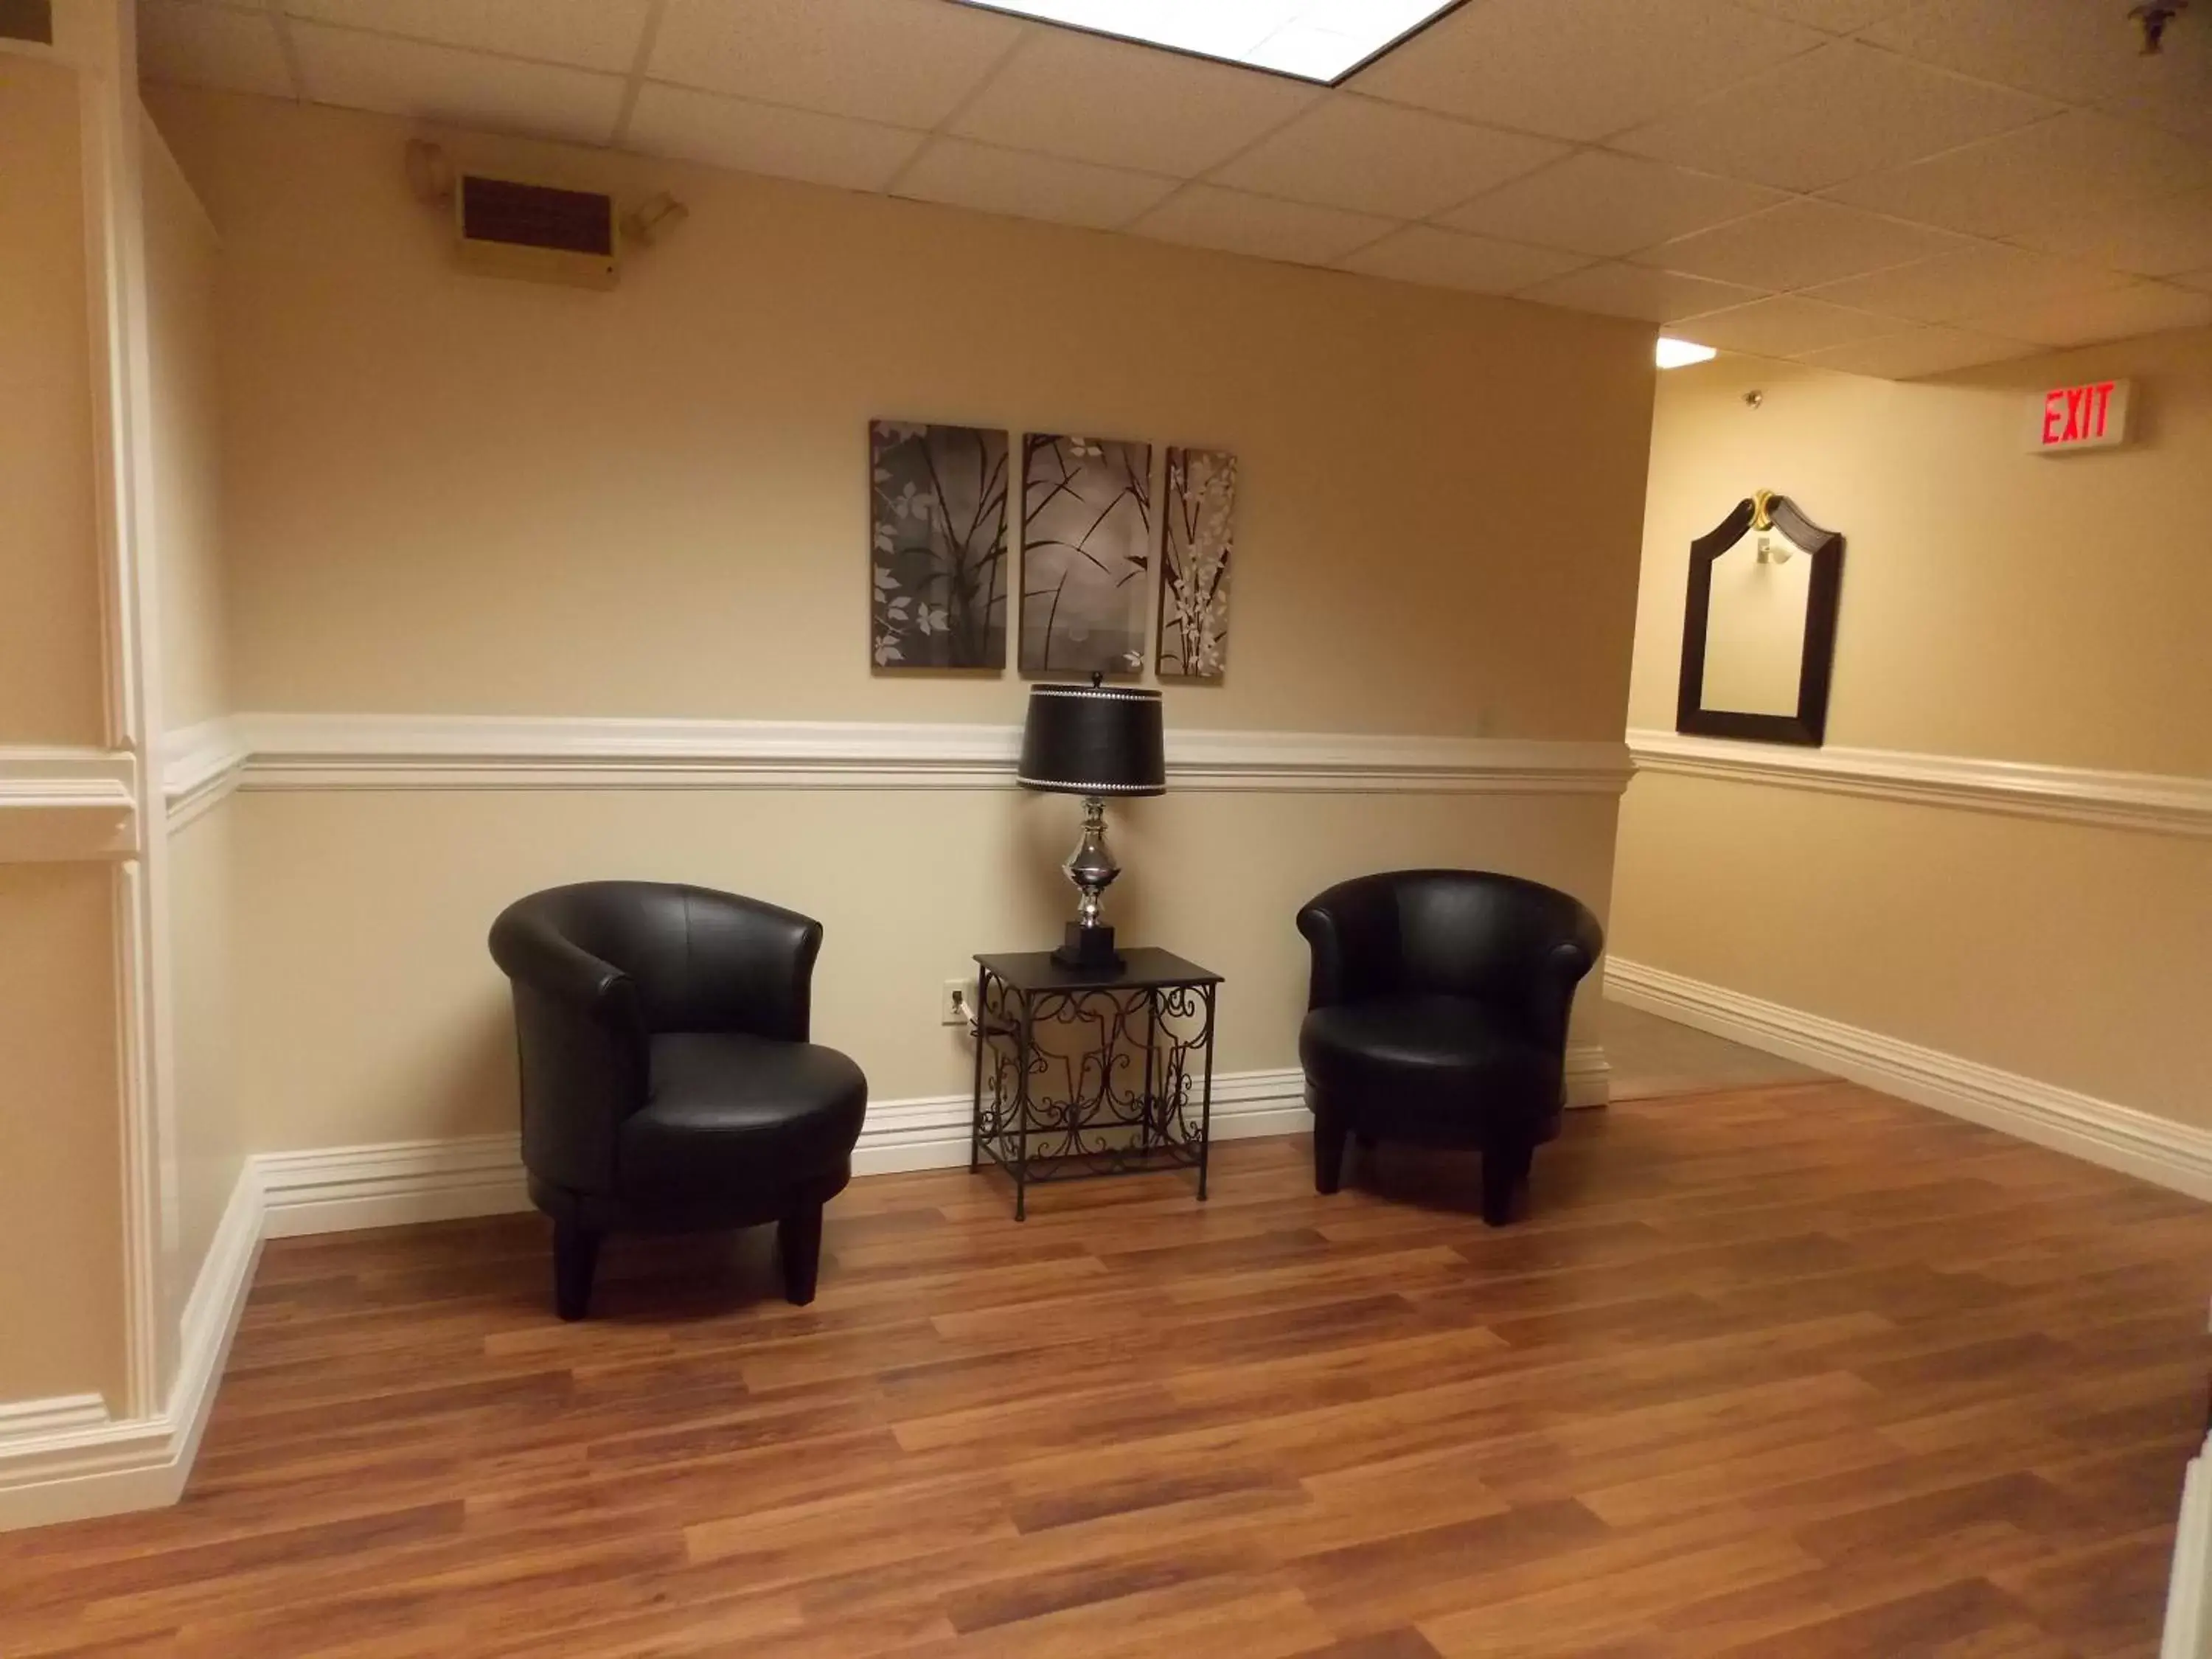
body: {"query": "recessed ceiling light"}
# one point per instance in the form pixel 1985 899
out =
pixel 1319 40
pixel 1680 354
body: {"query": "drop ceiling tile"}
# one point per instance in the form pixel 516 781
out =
pixel 2081 50
pixel 1597 203
pixel 1354 153
pixel 2114 313
pixel 1623 290
pixel 2176 93
pixel 1921 351
pixel 785 144
pixel 211 46
pixel 2155 238
pixel 1094 99
pixel 601 34
pixel 1786 326
pixel 442 83
pixel 1839 112
pixel 1970 283
pixel 1027 186
pixel 1207 215
pixel 2075 164
pixel 1835 17
pixel 1797 244
pixel 902 63
pixel 1447 258
pixel 1580 68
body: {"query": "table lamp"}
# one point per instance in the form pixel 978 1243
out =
pixel 1094 741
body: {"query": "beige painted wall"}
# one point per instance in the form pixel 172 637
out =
pixel 209 1143
pixel 49 648
pixel 182 259
pixel 377 1016
pixel 60 1185
pixel 448 493
pixel 59 1152
pixel 1996 604
pixel 182 256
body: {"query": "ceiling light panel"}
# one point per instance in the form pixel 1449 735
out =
pixel 1321 40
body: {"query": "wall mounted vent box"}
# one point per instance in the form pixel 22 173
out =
pixel 536 231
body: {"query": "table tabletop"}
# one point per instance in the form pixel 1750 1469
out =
pixel 1141 968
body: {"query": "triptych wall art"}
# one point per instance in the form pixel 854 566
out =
pixel 1092 535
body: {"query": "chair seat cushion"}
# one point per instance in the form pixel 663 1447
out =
pixel 727 1113
pixel 1435 1063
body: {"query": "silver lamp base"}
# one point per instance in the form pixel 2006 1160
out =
pixel 1089 943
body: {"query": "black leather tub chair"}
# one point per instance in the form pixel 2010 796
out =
pixel 1438 1017
pixel 667 1081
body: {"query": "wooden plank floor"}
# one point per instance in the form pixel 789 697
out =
pixel 1801 1371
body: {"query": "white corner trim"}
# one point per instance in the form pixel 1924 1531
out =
pixel 67 805
pixel 200 765
pixel 2188 1590
pixel 72 1466
pixel 2125 800
pixel 2137 1143
pixel 391 752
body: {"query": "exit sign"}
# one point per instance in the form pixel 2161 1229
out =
pixel 2070 417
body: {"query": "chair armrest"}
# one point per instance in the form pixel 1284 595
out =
pixel 1351 955
pixel 580 1038
pixel 531 951
pixel 751 967
pixel 1551 992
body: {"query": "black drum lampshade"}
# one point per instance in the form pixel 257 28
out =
pixel 1092 740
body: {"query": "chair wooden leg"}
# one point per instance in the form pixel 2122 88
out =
pixel 1328 1153
pixel 1504 1173
pixel 575 1260
pixel 798 1240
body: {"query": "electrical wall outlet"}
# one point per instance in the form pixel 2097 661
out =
pixel 955 1002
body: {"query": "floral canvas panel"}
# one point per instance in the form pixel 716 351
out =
pixel 1199 515
pixel 1086 554
pixel 938 553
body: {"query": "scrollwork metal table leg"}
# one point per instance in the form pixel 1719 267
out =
pixel 1205 1100
pixel 1022 1055
pixel 982 1042
pixel 1151 1111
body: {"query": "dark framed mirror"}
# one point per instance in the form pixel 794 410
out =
pixel 1758 631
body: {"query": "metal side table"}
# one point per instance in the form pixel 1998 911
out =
pixel 1120 1082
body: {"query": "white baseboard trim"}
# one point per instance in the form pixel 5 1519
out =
pixel 2137 1143
pixel 336 1189
pixel 72 1464
pixel 399 1184
pixel 21 1419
